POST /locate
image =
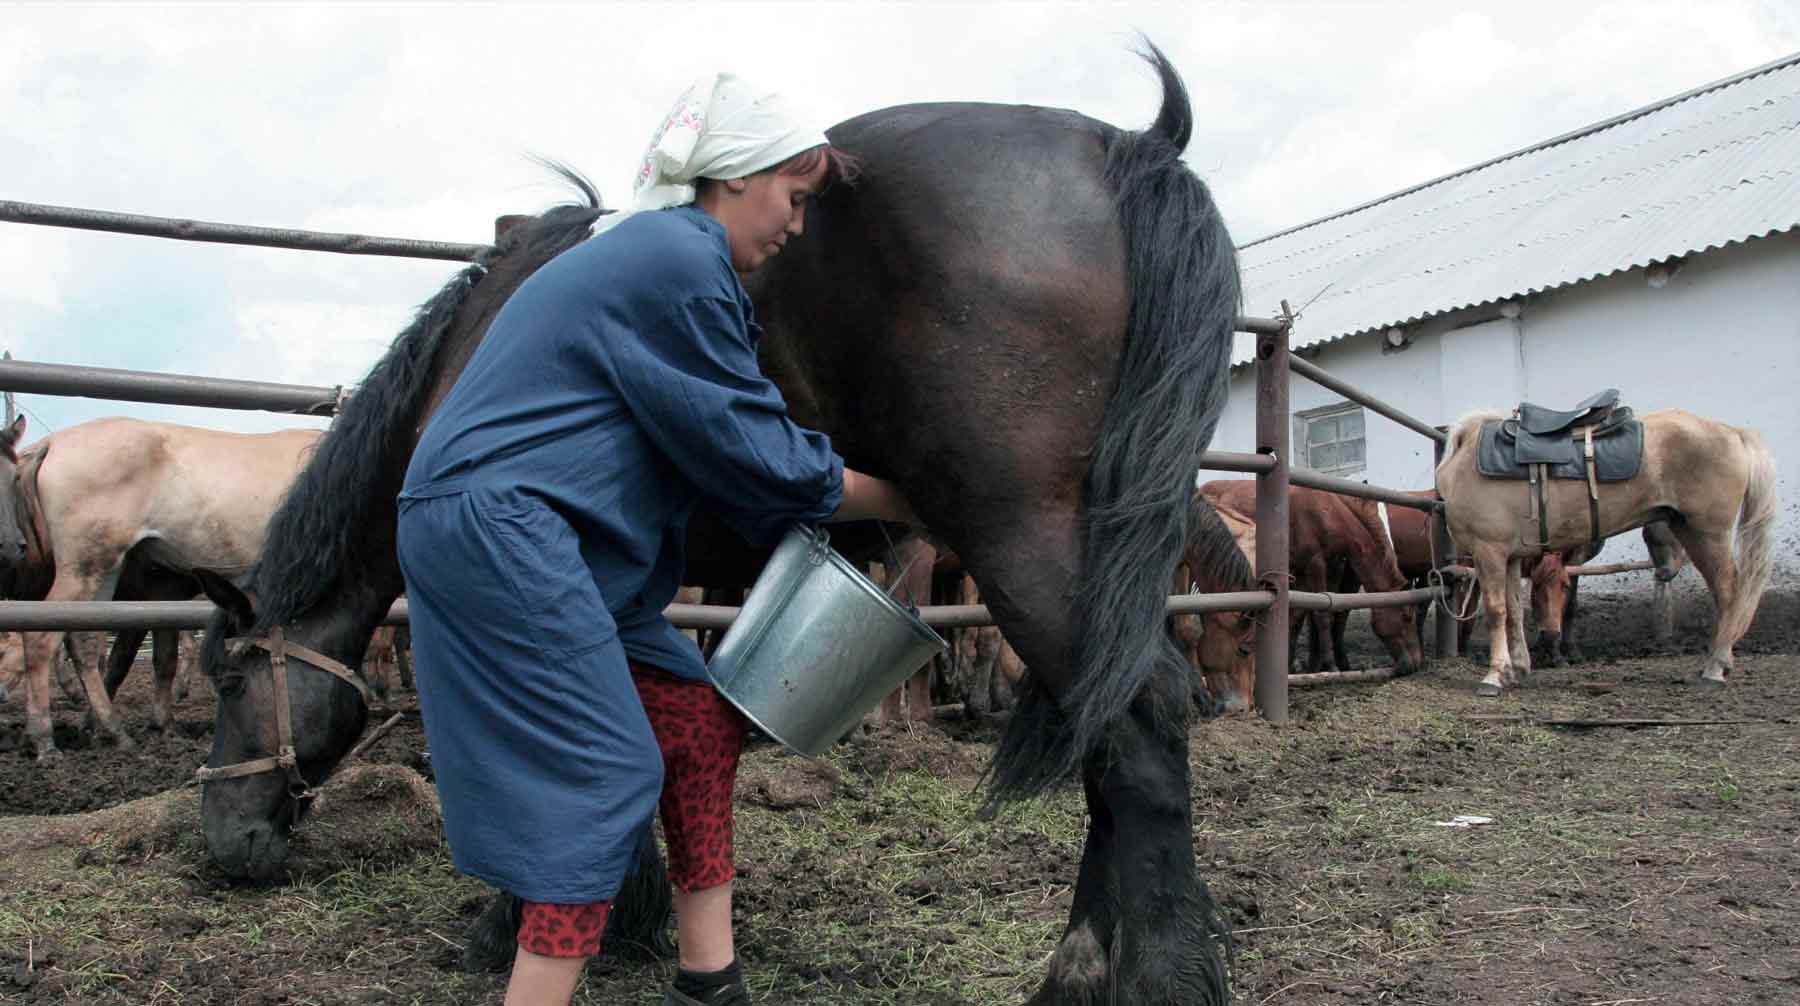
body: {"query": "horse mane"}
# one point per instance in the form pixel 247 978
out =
pixel 1215 548
pixel 318 537
pixel 1467 426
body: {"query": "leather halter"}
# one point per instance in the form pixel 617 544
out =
pixel 284 759
pixel 29 514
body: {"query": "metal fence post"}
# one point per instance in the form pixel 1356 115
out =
pixel 1444 623
pixel 1272 519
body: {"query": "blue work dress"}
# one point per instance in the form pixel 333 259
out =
pixel 541 534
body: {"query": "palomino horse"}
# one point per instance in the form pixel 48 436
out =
pixel 181 497
pixel 1710 481
pixel 1330 532
pixel 1084 281
pixel 1221 645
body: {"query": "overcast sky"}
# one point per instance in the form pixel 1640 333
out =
pixel 417 121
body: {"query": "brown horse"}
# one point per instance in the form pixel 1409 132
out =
pixel 177 496
pixel 988 669
pixel 1712 482
pixel 1084 281
pixel 1554 591
pixel 1221 645
pixel 1416 554
pixel 1331 536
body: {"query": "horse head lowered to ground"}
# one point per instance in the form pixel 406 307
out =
pixel 1085 280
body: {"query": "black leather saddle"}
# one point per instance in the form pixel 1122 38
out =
pixel 1596 441
pixel 1559 440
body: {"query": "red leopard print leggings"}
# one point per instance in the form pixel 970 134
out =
pixel 701 736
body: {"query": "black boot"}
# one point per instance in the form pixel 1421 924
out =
pixel 724 987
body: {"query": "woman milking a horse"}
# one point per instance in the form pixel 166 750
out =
pixel 541 535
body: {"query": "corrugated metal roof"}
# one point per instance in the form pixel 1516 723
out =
pixel 1707 168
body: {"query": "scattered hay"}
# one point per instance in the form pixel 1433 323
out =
pixel 368 812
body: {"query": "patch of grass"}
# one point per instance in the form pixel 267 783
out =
pixel 1442 881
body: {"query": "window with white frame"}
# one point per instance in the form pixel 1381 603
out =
pixel 1331 440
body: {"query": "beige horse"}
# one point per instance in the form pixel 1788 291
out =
pixel 184 497
pixel 1711 481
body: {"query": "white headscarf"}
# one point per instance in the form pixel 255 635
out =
pixel 721 127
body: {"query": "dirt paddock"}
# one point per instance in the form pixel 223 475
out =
pixel 1622 865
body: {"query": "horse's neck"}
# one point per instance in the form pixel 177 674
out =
pixel 341 627
pixel 1374 560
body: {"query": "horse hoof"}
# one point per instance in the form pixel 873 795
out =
pixel 1487 690
pixel 49 756
pixel 1706 684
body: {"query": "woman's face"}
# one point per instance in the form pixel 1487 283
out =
pixel 761 212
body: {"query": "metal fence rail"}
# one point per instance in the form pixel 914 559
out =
pixel 93 616
pixel 236 234
pixel 167 389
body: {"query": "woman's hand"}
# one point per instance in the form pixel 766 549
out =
pixel 869 498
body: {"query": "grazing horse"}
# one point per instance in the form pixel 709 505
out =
pixel 1083 279
pixel 1331 533
pixel 181 497
pixel 1416 554
pixel 1220 645
pixel 1712 482
pixel 1554 591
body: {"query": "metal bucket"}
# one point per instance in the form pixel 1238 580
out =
pixel 816 646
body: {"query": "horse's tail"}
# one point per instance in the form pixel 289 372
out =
pixel 1755 531
pixel 1181 267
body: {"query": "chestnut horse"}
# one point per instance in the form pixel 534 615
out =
pixel 1083 279
pixel 1328 532
pixel 1554 592
pixel 1713 483
pixel 1221 645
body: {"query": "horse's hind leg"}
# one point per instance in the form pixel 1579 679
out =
pixel 66 668
pixel 1518 603
pixel 165 660
pixel 1499 582
pixel 1143 929
pixel 40 647
pixel 120 658
pixel 1712 556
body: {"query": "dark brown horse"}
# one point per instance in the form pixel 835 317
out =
pixel 1331 539
pixel 1084 282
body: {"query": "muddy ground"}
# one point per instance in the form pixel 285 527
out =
pixel 1622 865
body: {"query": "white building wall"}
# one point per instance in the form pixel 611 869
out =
pixel 1721 339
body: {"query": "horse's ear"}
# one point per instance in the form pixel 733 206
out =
pixel 225 594
pixel 16 432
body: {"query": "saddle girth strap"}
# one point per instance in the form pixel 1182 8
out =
pixel 1593 481
pixel 1540 501
pixel 30 514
